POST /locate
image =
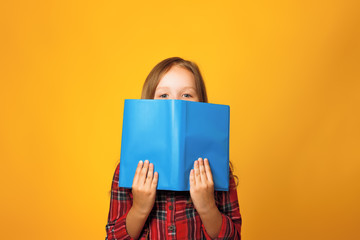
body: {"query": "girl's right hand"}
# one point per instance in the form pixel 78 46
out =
pixel 144 188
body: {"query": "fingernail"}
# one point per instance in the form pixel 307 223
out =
pixel 146 161
pixel 140 161
pixel 205 159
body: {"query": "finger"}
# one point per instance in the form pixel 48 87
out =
pixel 192 179
pixel 149 177
pixel 143 172
pixel 155 181
pixel 137 172
pixel 197 172
pixel 208 170
pixel 202 170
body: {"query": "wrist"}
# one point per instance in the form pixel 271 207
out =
pixel 140 212
pixel 135 222
pixel 212 221
pixel 209 211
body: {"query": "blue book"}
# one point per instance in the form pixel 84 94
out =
pixel 172 134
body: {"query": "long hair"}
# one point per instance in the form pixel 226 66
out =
pixel 161 69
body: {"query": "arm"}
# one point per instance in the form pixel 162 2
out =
pixel 228 205
pixel 120 204
pixel 223 221
pixel 129 209
pixel 144 192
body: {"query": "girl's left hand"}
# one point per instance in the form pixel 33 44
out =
pixel 202 186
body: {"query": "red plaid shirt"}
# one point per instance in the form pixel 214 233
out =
pixel 173 215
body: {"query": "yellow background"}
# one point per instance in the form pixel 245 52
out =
pixel 289 70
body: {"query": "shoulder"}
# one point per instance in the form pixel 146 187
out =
pixel 233 181
pixel 115 181
pixel 117 169
pixel 116 173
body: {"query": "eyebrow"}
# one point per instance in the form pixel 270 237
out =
pixel 185 88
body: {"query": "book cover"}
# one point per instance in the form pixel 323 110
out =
pixel 172 134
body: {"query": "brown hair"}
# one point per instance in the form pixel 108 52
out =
pixel 163 67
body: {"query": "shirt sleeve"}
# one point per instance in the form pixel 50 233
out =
pixel 228 205
pixel 120 204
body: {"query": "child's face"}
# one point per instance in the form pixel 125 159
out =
pixel 177 83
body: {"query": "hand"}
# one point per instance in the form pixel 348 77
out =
pixel 144 188
pixel 202 187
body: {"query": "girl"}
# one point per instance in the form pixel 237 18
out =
pixel 145 213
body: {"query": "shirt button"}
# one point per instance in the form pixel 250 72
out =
pixel 171 228
pixel 171 207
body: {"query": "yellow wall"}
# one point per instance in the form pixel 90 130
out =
pixel 288 69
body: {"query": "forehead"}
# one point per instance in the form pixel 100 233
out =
pixel 177 77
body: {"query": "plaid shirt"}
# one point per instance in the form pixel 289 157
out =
pixel 173 215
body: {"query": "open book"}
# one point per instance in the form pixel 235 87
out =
pixel 172 134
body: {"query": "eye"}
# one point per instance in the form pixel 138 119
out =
pixel 187 95
pixel 163 95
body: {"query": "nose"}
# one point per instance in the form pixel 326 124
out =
pixel 174 97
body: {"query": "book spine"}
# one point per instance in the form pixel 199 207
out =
pixel 178 145
pixel 184 180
